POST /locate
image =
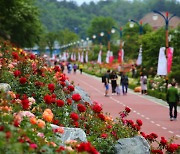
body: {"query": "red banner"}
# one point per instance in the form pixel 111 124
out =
pixel 169 59
pixel 120 56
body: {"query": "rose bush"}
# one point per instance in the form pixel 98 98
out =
pixel 44 98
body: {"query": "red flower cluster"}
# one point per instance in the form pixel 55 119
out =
pixel 96 108
pixel 76 97
pixel 22 80
pixel 101 116
pixel 17 73
pixel 48 99
pixel 151 137
pixel 157 151
pixel 163 141
pixel 87 147
pixel 15 55
pixel 60 149
pixel 25 104
pixel 81 108
pixel 104 135
pixel 172 147
pixel 139 122
pixel 57 69
pixel 51 87
pixel 69 101
pixel 32 56
pixel 70 88
pixel 127 109
pixel 60 103
pixel 74 116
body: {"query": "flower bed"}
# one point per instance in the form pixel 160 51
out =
pixel 41 96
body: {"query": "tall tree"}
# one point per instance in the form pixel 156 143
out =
pixel 19 20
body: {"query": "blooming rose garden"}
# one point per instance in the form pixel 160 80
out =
pixel 41 96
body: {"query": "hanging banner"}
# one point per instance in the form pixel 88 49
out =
pixel 99 57
pixel 74 56
pixel 170 57
pixel 79 57
pixel 111 57
pixel 139 60
pixel 107 56
pixel 121 56
pixel 86 57
pixel 162 62
pixel 82 57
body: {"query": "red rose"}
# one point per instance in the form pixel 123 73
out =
pixel 69 101
pixel 154 135
pixel 130 122
pixel 136 127
pixel 163 141
pixel 17 73
pixel 127 109
pixel 157 151
pixel 48 99
pixel 74 116
pixel 172 147
pixel 25 104
pixel 76 97
pixel 51 87
pixel 60 103
pixel 32 56
pixel 84 147
pixel 101 116
pixel 96 108
pixel 22 80
pixel 143 134
pixel 53 95
pixel 81 108
pixel 61 148
pixel 8 134
pixel 139 122
pixel 62 84
pixel 57 69
pixel 33 146
pixel 104 135
pixel 55 121
pixel 70 88
pixel 15 55
pixel 76 124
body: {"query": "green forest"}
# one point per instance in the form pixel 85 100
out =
pixel 57 15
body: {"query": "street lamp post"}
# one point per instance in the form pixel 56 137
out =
pixel 166 19
pixel 120 34
pixel 140 24
pixel 108 37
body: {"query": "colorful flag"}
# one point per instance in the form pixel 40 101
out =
pixel 107 56
pixel 86 57
pixel 139 60
pixel 99 57
pixel 111 57
pixel 121 56
pixel 82 57
pixel 162 62
pixel 169 58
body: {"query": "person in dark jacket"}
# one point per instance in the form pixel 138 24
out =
pixel 124 83
pixel 172 99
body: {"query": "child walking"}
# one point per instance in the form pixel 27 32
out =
pixel 118 90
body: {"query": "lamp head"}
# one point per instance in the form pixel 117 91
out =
pixel 155 16
pixel 113 30
pixel 102 34
pixel 131 25
pixel 94 36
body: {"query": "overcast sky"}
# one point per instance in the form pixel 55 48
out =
pixel 79 2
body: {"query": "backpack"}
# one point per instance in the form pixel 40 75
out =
pixel 145 81
pixel 103 79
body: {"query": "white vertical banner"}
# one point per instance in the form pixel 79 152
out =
pixel 82 57
pixel 79 56
pixel 107 56
pixel 74 56
pixel 162 62
pixel 86 57
pixel 99 57
pixel 139 60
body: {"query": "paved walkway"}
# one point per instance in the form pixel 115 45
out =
pixel 153 112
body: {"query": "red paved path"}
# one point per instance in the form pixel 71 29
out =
pixel 154 116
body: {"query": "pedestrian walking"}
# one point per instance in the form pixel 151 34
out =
pixel 81 68
pixel 143 82
pixel 74 68
pixel 172 99
pixel 105 80
pixel 124 83
pixel 113 78
pixel 69 68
